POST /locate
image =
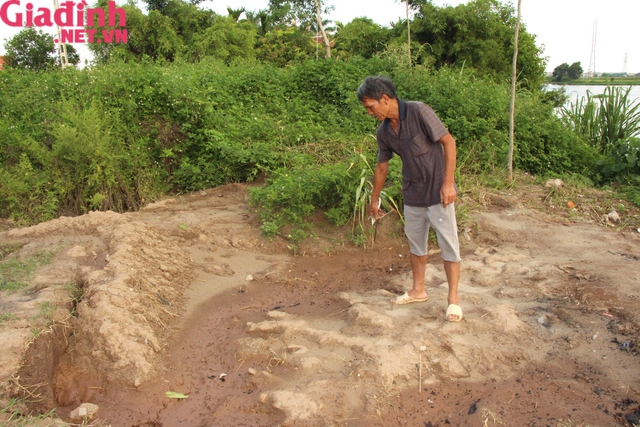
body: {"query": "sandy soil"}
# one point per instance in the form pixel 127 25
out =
pixel 186 296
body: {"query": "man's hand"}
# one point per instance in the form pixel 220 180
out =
pixel 374 209
pixel 448 193
pixel 379 176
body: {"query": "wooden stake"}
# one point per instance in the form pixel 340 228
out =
pixel 420 375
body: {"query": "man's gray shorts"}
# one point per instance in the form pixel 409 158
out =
pixel 443 220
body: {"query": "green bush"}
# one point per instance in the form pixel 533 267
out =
pixel 623 160
pixel 119 135
pixel 476 112
pixel 290 196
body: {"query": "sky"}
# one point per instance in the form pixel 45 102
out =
pixel 564 28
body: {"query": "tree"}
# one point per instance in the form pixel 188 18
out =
pixel 35 50
pixel 560 72
pixel 479 35
pixel 72 55
pixel 235 13
pixel 159 5
pixel 360 37
pixel 188 20
pixel 30 50
pixel 150 36
pixel 414 5
pixel 307 14
pixel 285 46
pixel 565 71
pixel 267 19
pixel 575 71
pixel 226 40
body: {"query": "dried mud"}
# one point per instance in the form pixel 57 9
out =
pixel 186 296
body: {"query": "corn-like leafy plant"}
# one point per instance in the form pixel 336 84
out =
pixel 605 119
pixel 364 192
pixel 610 123
pixel 363 195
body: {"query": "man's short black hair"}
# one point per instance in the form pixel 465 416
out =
pixel 374 87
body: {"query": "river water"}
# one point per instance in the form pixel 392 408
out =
pixel 579 91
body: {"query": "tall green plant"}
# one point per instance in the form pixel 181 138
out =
pixel 610 123
pixel 363 195
pixel 620 116
pixel 603 120
pixel 364 192
pixel 583 117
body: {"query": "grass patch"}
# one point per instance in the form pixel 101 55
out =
pixel 17 273
pixel 9 248
pixel 15 416
pixel 576 200
pixel 581 202
pixel 7 317
pixel 75 292
pixel 46 310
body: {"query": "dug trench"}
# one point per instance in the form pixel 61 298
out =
pixel 185 296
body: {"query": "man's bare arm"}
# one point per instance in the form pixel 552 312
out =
pixel 448 191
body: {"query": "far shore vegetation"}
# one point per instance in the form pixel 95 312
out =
pixel 604 80
pixel 565 74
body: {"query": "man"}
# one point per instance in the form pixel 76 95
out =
pixel 428 152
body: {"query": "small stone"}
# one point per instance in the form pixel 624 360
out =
pixel 613 216
pixel 252 371
pixel 83 412
pixel 570 204
pixel 249 278
pixel 77 251
pixel 632 419
pixel 557 183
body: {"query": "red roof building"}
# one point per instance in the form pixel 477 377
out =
pixel 1 63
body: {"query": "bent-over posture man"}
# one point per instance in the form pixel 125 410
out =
pixel 428 152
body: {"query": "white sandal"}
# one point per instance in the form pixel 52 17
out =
pixel 454 310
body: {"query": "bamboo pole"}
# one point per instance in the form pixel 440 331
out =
pixel 325 38
pixel 513 93
pixel 408 33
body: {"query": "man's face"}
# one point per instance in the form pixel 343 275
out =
pixel 377 109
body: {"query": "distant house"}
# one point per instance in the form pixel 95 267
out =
pixel 319 40
pixel 615 74
pixel 1 63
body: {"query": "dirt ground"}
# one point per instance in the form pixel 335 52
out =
pixel 186 296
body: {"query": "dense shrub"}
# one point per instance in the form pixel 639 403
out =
pixel 120 135
pixel 476 113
